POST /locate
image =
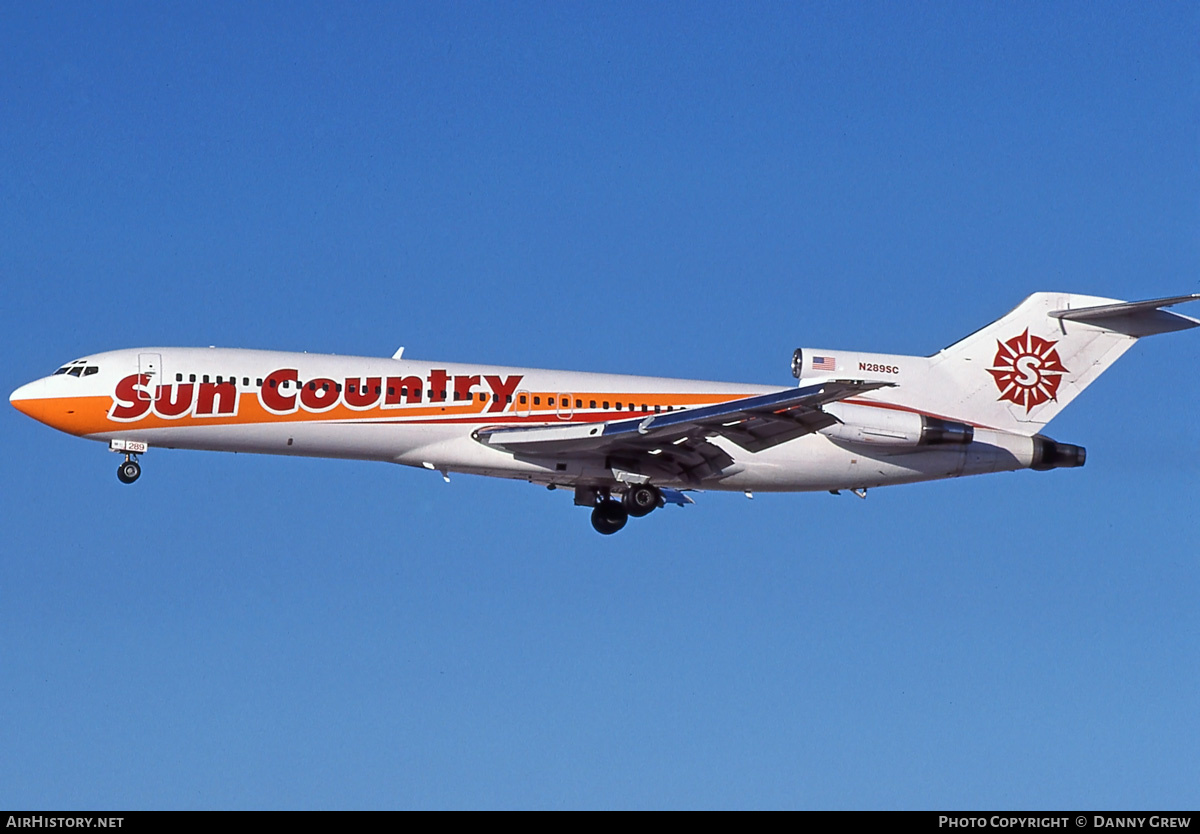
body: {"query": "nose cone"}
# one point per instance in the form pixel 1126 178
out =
pixel 62 405
pixel 25 397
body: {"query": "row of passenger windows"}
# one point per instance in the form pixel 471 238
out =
pixel 220 379
pixel 523 399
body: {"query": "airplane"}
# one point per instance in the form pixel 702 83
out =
pixel 626 445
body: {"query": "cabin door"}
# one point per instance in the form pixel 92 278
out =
pixel 149 369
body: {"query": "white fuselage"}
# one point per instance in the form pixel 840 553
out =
pixel 424 414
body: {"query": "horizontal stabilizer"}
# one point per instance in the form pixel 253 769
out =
pixel 1133 318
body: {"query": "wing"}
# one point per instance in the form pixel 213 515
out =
pixel 676 444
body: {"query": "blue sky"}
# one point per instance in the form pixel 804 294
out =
pixel 685 190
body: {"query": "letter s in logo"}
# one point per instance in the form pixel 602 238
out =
pixel 1027 368
pixel 127 406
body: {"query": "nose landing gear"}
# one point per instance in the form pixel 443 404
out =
pixel 129 471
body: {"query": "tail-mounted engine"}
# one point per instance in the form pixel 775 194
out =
pixel 870 426
pixel 1050 454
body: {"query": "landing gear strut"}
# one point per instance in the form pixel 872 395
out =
pixel 129 471
pixel 609 517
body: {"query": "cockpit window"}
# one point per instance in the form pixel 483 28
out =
pixel 79 367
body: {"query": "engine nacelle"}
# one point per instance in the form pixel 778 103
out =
pixel 868 426
pixel 1050 454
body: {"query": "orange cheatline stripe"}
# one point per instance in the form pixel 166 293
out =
pixel 89 415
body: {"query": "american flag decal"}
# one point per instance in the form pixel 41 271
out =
pixel 824 363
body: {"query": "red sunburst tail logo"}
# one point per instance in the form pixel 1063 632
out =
pixel 1027 370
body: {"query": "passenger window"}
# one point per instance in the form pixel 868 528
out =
pixel 657 409
pixel 246 381
pixel 392 391
pixel 259 383
pixel 179 377
pixel 579 403
pixel 218 379
pixel 523 399
pixel 536 401
pixel 606 405
pixel 593 404
pixel 191 377
pixel 206 377
pixel 273 383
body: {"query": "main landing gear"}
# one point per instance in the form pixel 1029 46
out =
pixel 610 515
pixel 129 471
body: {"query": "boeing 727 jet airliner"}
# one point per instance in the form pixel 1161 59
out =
pixel 625 444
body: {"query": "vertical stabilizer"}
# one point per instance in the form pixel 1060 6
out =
pixel 1018 372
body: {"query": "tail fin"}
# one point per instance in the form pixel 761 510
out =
pixel 1017 373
